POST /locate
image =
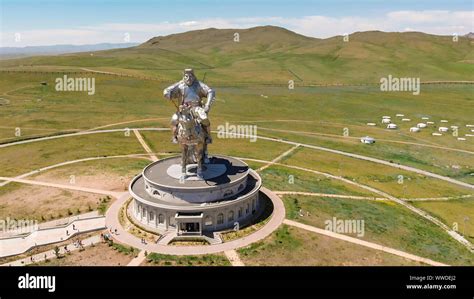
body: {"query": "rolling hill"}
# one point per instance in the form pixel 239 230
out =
pixel 271 54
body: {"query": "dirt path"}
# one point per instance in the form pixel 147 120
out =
pixel 126 122
pixel 363 243
pixel 102 72
pixel 278 158
pixel 234 258
pixel 145 146
pixel 328 195
pixel 136 261
pixel 61 186
pixel 76 134
pixel 378 139
pixel 439 198
pixel 361 157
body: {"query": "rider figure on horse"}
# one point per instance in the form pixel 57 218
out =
pixel 189 92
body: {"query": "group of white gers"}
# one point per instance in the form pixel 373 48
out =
pixel 392 126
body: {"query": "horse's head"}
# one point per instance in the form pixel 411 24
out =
pixel 189 130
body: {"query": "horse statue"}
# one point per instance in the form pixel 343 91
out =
pixel 191 136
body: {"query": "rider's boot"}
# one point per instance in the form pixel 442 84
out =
pixel 200 173
pixel 206 157
pixel 208 135
pixel 184 175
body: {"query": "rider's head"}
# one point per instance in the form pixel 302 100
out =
pixel 188 77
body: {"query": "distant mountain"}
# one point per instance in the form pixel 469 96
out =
pixel 276 55
pixel 470 35
pixel 12 52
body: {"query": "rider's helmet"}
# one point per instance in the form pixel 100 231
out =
pixel 189 77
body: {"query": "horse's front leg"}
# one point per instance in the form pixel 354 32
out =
pixel 200 160
pixel 184 158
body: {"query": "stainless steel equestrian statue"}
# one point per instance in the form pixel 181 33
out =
pixel 190 124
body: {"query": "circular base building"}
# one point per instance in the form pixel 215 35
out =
pixel 226 196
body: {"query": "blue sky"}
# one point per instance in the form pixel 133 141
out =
pixel 79 22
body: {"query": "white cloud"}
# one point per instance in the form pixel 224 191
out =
pixel 431 21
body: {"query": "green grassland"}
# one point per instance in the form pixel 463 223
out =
pixel 456 211
pixel 250 78
pixel 278 178
pixel 273 55
pixel 18 159
pixel 156 259
pixel 240 147
pixel 386 223
pixel 313 115
pixel 19 201
pixel 379 176
pixel 289 246
pixel 119 167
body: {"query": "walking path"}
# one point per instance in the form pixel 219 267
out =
pixel 278 158
pixel 137 260
pixel 328 195
pixel 378 139
pixel 20 244
pixel 363 243
pixel 439 198
pixel 127 122
pixel 361 157
pixel 233 258
pixel 112 222
pixel 145 146
pixel 51 224
pixel 49 254
pixel 77 134
pixel 369 197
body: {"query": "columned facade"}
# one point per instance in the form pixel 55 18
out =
pixel 188 215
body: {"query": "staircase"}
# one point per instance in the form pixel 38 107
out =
pixel 166 238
